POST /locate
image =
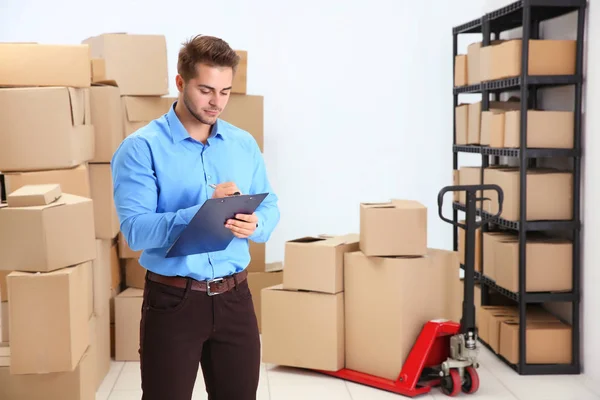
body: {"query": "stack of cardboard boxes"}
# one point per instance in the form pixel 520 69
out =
pixel 51 325
pixel 499 127
pixel 549 259
pixel 548 338
pixel 360 301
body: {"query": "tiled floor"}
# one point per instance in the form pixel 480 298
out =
pixel 498 382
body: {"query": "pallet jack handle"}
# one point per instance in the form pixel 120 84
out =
pixel 467 323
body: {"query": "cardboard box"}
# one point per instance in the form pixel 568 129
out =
pixel 100 340
pixel 125 251
pixel 33 64
pixel 494 320
pixel 473 60
pixel 48 320
pixel 3 287
pixel 257 281
pixel 104 268
pixel 107 118
pixel 542 184
pixel 4 322
pixel 105 213
pixel 546 57
pixel 547 342
pixel 303 329
pixel 461 247
pixel 489 177
pixel 71 180
pixel 545 129
pixel 489 253
pixel 462 124
pixel 73 385
pixel 378 343
pixel 113 295
pixel 455 182
pixel 257 257
pixel 92 346
pixel 98 69
pixel 491 317
pixel 50 128
pixel 137 63
pixel 34 195
pixel 396 228
pixel 128 305
pixel 460 70
pixel 549 264
pixel 475 117
pixel 135 274
pixel 485 314
pixel 241 75
pixel 88 278
pixel 317 263
pixel 492 128
pixel 4 356
pixel 140 111
pixel 116 273
pixel 246 112
pixel 47 238
pixel 468 176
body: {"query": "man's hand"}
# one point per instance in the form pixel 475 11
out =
pixel 243 228
pixel 225 189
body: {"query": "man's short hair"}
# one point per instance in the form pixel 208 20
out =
pixel 203 49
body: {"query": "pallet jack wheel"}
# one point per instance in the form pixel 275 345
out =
pixel 451 384
pixel 471 384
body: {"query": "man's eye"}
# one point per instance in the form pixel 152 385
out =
pixel 204 91
pixel 225 93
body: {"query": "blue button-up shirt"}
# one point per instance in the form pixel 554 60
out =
pixel 161 178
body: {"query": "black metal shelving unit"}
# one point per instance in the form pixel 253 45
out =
pixel 528 14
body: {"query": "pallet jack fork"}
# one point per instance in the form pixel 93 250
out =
pixel 445 352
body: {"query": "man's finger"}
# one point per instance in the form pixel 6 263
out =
pixel 239 224
pixel 244 217
pixel 242 231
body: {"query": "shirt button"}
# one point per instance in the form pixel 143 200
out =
pixel 209 177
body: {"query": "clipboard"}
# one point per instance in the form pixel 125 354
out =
pixel 206 232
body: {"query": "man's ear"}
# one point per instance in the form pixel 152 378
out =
pixel 179 82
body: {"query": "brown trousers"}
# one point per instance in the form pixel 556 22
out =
pixel 182 328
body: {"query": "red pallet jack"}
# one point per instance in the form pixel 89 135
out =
pixel 445 353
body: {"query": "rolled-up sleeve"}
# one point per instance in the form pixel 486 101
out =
pixel 135 193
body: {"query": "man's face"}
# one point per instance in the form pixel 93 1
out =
pixel 207 94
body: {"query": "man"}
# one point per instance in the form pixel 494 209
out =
pixel 162 175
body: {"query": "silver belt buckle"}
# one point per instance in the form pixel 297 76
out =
pixel 208 282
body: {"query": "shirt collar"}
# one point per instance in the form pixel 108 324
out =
pixel 179 133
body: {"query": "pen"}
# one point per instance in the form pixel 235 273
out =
pixel 212 185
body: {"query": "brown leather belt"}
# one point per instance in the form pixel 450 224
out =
pixel 211 287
